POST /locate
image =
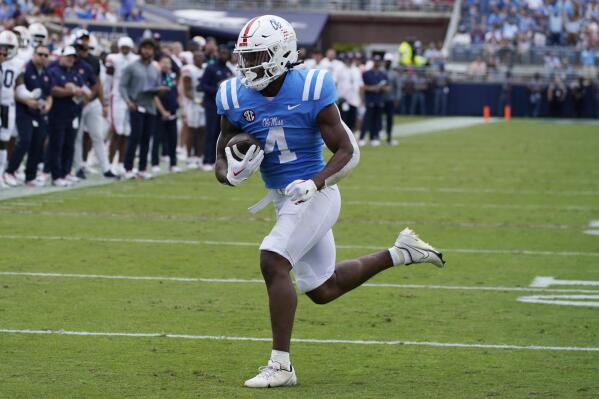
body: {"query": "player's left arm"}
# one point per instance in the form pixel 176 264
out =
pixel 340 140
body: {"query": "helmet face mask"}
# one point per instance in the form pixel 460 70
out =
pixel 265 49
pixel 39 34
pixel 9 43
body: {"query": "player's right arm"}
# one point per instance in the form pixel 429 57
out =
pixel 221 167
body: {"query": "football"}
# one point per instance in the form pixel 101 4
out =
pixel 240 144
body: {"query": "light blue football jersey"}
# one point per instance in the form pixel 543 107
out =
pixel 284 125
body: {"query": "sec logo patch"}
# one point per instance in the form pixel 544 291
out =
pixel 249 115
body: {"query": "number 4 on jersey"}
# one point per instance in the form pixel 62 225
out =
pixel 276 137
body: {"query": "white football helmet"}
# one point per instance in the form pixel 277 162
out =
pixel 9 42
pixel 266 48
pixel 23 36
pixel 39 34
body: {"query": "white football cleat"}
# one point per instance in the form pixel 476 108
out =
pixel 418 250
pixel 155 169
pixel 129 175
pixel 175 169
pixel 272 376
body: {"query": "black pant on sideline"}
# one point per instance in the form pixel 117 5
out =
pixel 212 132
pixel 166 134
pixel 61 146
pixel 31 142
pixel 349 115
pixel 389 114
pixel 372 121
pixel 142 129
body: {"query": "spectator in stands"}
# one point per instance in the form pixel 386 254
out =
pixel 407 90
pixel 578 90
pixel 419 96
pixel 214 74
pixel 375 84
pixel 441 85
pixel 505 98
pixel 556 96
pixel 536 88
pixel 477 69
pixel 587 60
pixel 556 24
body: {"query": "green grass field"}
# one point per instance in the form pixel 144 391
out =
pixel 506 202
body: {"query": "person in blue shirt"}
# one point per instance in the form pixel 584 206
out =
pixel 214 74
pixel 68 91
pixel 291 113
pixel 375 85
pixel 166 131
pixel 32 115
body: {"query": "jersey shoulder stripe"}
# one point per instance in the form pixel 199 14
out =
pixel 319 82
pixel 313 84
pixel 234 98
pixel 223 95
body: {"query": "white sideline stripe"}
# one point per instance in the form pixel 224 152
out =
pixel 253 244
pixel 302 340
pixel 257 281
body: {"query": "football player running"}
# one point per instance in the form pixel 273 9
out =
pixel 291 112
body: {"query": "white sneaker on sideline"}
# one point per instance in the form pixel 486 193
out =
pixel 362 143
pixel 418 250
pixel 72 178
pixel 393 142
pixel 175 169
pixel 61 183
pixel 272 376
pixel 2 183
pixel 143 175
pixel 42 179
pixel 155 169
pixel 129 175
pixel 375 143
pixel 207 167
pixel 11 180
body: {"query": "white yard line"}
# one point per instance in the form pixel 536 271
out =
pixel 259 281
pixel 408 204
pixel 254 244
pixel 303 340
pixel 156 216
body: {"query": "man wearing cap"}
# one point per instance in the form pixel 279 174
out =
pixel 67 89
pixel 92 113
pixel 32 119
pixel 119 114
pixel 213 76
pixel 375 84
pixel 140 88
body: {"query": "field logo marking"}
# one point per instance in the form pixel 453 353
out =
pixel 544 282
pixel 593 229
pixel 540 282
pixel 564 300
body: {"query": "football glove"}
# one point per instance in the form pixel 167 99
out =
pixel 238 171
pixel 300 190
